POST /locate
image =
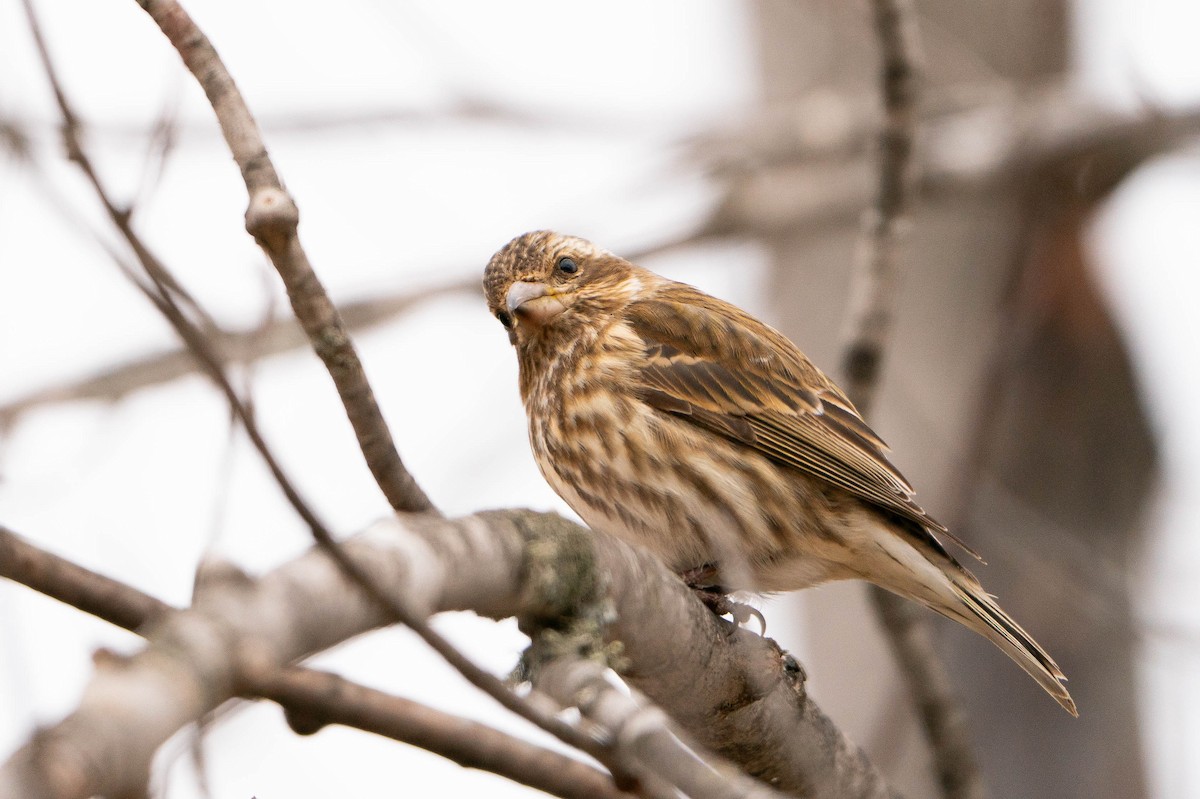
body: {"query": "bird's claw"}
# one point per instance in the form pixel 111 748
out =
pixel 741 613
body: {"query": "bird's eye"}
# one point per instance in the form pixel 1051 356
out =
pixel 505 319
pixel 567 266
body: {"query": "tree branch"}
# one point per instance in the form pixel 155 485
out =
pixel 278 336
pixel 784 171
pixel 313 699
pixel 640 731
pixel 908 630
pixel 115 382
pixel 870 314
pixel 272 218
pixel 162 294
pixel 735 693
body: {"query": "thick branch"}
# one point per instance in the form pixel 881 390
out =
pixel 908 631
pixel 640 731
pixel 313 699
pixel 273 218
pixel 736 694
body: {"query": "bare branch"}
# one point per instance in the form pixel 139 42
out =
pixel 735 693
pixel 58 578
pixel 938 705
pixel 908 631
pixel 465 111
pixel 313 699
pixel 870 314
pixel 800 168
pixel 246 346
pixel 162 293
pixel 234 346
pixel 273 218
pixel 119 216
pixel 641 732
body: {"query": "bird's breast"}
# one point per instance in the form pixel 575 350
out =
pixel 653 479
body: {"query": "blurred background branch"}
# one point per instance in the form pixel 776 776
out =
pixel 876 277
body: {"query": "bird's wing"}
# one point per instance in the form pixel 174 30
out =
pixel 717 367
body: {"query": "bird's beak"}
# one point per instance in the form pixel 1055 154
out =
pixel 533 302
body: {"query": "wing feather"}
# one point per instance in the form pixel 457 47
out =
pixel 746 382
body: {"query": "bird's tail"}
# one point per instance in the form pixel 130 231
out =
pixel 936 580
pixel 985 617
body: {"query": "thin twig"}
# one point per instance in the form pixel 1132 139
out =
pixel 353 122
pixel 278 336
pixel 792 178
pixel 309 695
pixel 273 218
pixel 162 294
pixel 113 383
pixel 908 630
pixel 119 216
pixel 312 699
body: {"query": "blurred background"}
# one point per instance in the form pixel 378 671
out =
pixel 1038 388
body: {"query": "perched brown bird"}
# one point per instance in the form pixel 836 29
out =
pixel 683 425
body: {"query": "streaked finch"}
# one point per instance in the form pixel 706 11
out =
pixel 683 425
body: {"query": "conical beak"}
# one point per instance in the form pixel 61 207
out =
pixel 533 302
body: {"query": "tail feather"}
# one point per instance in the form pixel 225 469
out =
pixel 904 565
pixel 1000 628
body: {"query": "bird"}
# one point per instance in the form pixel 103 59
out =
pixel 683 425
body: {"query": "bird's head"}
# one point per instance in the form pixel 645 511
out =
pixel 544 284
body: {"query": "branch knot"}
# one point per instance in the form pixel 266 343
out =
pixel 272 218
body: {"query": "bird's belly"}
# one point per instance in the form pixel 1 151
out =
pixel 617 489
pixel 795 571
pixel 690 498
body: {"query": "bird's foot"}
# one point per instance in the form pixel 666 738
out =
pixel 722 605
pixel 740 612
pixel 705 582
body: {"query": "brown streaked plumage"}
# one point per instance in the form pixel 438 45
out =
pixel 682 424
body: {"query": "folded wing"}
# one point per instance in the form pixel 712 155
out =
pixel 713 365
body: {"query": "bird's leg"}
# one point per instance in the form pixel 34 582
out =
pixel 703 581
